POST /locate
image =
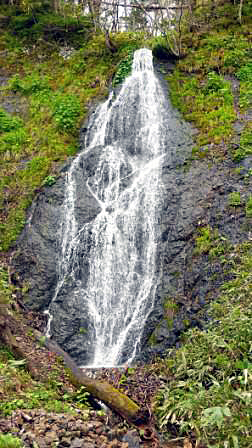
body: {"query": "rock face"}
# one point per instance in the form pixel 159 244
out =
pixel 193 196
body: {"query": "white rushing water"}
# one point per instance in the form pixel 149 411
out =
pixel 128 135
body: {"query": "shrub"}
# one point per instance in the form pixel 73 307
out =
pixel 207 395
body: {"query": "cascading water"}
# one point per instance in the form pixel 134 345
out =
pixel 108 264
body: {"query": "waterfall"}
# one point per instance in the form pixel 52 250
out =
pixel 110 261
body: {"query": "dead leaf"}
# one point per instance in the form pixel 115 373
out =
pixel 187 444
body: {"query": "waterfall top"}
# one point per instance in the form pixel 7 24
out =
pixel 142 60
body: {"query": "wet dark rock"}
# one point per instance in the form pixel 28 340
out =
pixel 192 197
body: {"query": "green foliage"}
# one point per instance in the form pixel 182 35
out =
pixel 245 72
pixel 123 69
pixel 245 147
pixel 12 142
pixel 5 289
pixel 209 105
pixel 81 396
pixel 171 305
pixel 209 391
pixel 245 99
pixel 49 181
pixel 8 122
pixel 248 207
pixel 19 391
pixel 66 111
pixel 215 83
pixel 9 441
pixel 12 134
pixel 210 242
pixel 224 51
pixel 234 199
pixel 34 22
pixel 32 83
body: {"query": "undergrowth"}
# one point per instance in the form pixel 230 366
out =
pixel 202 90
pixel 209 394
pixel 19 391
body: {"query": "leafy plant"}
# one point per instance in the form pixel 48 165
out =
pixel 209 241
pixel 215 83
pixel 12 141
pixel 49 181
pixel 234 199
pixel 245 147
pixel 8 122
pixel 123 69
pixel 66 111
pixel 245 72
pixel 81 396
pixel 248 207
pixel 32 83
pixel 9 441
pixel 215 416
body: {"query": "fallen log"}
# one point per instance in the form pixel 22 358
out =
pixel 112 397
pixel 103 391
